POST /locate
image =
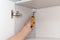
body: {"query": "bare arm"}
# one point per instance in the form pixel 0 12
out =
pixel 23 32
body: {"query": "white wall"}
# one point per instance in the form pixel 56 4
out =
pixel 48 22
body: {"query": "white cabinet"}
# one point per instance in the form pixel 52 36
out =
pixel 47 19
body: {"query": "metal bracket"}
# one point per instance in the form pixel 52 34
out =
pixel 17 14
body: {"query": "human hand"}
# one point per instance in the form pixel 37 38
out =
pixel 29 25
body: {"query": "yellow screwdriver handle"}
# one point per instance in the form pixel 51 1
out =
pixel 33 21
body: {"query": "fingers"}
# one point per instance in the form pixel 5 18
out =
pixel 28 21
pixel 30 24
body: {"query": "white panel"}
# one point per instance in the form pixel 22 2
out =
pixel 39 3
pixel 6 23
pixel 48 22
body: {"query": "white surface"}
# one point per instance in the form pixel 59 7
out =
pixel 40 3
pixel 6 23
pixel 48 22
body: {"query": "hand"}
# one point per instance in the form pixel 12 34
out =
pixel 29 24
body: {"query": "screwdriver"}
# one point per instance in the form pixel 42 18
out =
pixel 33 20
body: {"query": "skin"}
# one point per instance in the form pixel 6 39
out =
pixel 23 33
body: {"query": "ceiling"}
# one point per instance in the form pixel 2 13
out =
pixel 40 3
